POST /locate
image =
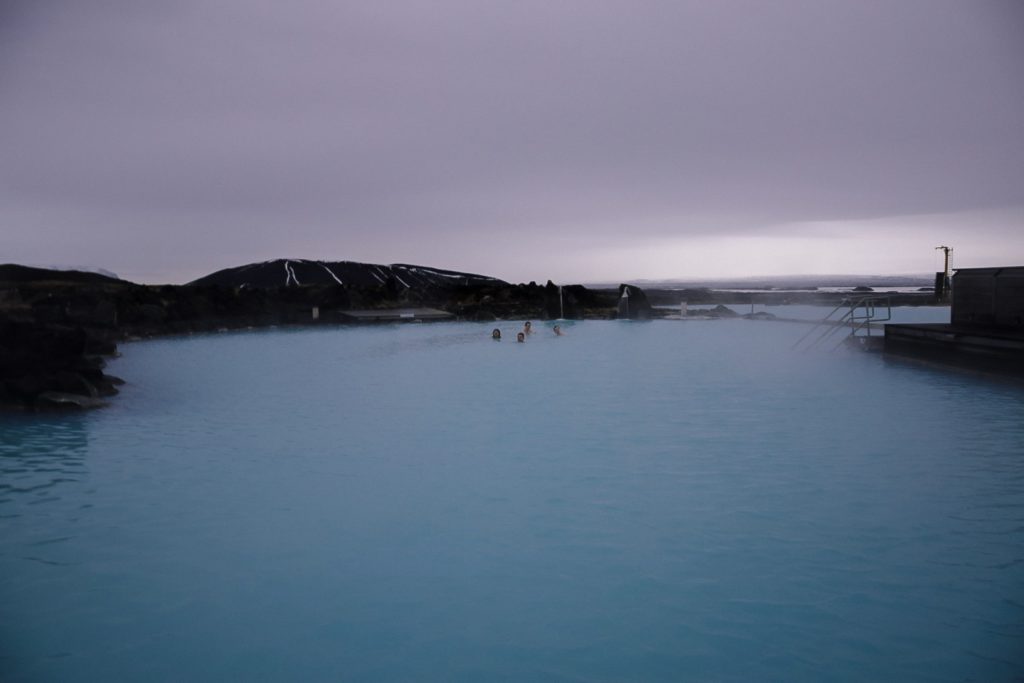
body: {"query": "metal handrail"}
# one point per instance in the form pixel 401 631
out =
pixel 850 317
pixel 869 317
pixel 820 323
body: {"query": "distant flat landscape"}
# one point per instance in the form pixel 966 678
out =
pixel 782 282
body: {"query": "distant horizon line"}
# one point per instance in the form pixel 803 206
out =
pixel 917 277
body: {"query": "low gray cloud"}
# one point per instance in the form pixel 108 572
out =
pixel 191 132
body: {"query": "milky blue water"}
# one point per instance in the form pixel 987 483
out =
pixel 666 501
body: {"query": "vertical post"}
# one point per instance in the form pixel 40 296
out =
pixel 942 279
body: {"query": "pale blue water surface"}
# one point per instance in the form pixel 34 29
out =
pixel 670 501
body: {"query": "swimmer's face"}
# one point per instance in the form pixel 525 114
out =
pixel 528 324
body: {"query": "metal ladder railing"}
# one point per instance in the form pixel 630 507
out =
pixel 858 316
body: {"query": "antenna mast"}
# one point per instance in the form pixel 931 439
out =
pixel 942 282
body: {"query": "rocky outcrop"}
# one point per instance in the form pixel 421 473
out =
pixel 47 365
pixel 721 311
pixel 633 304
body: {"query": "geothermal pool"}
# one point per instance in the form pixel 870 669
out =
pixel 656 501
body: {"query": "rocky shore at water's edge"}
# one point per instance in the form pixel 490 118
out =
pixel 57 327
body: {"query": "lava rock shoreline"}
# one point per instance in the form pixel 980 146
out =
pixel 57 328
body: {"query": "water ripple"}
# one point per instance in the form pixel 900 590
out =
pixel 52 563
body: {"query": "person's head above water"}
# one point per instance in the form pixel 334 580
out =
pixel 528 327
pixel 496 334
pixel 521 337
pixel 558 331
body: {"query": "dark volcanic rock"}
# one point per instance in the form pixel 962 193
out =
pixel 44 365
pixel 721 311
pixel 633 303
pixel 60 400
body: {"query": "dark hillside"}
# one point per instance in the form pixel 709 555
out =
pixel 13 273
pixel 300 272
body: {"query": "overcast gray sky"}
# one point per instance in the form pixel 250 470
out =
pixel 576 140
